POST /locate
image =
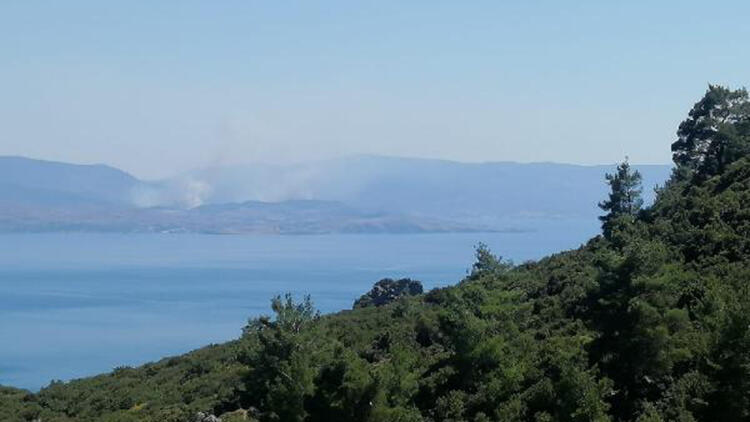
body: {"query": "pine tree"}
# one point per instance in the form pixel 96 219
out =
pixel 716 133
pixel 624 198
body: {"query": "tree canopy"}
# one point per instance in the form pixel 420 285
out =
pixel 716 132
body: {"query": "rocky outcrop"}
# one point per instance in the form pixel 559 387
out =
pixel 205 417
pixel 387 290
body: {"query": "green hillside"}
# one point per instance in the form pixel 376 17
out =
pixel 648 322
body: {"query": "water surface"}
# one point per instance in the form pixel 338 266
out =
pixel 74 305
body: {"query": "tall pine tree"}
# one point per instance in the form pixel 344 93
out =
pixel 624 200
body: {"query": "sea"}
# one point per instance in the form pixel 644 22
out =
pixel 78 304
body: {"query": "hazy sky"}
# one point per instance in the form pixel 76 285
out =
pixel 160 87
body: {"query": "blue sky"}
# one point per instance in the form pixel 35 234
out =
pixel 160 87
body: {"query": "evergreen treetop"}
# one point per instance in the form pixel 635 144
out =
pixel 624 197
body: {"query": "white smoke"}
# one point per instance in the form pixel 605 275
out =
pixel 182 192
pixel 195 192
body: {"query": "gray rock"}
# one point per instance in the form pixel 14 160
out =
pixel 205 417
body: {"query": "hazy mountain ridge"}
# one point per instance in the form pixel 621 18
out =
pixel 29 180
pixel 446 189
pixel 352 194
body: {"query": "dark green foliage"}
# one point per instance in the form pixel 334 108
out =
pixel 716 132
pixel 388 290
pixel 486 263
pixel 650 322
pixel 624 200
pixel 172 389
pixel 281 354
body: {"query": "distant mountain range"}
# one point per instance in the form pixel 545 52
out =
pixel 362 194
pixel 37 182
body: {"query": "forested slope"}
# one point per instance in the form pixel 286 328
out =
pixel 648 322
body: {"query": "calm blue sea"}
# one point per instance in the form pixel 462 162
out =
pixel 73 305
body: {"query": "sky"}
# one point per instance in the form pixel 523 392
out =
pixel 157 88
